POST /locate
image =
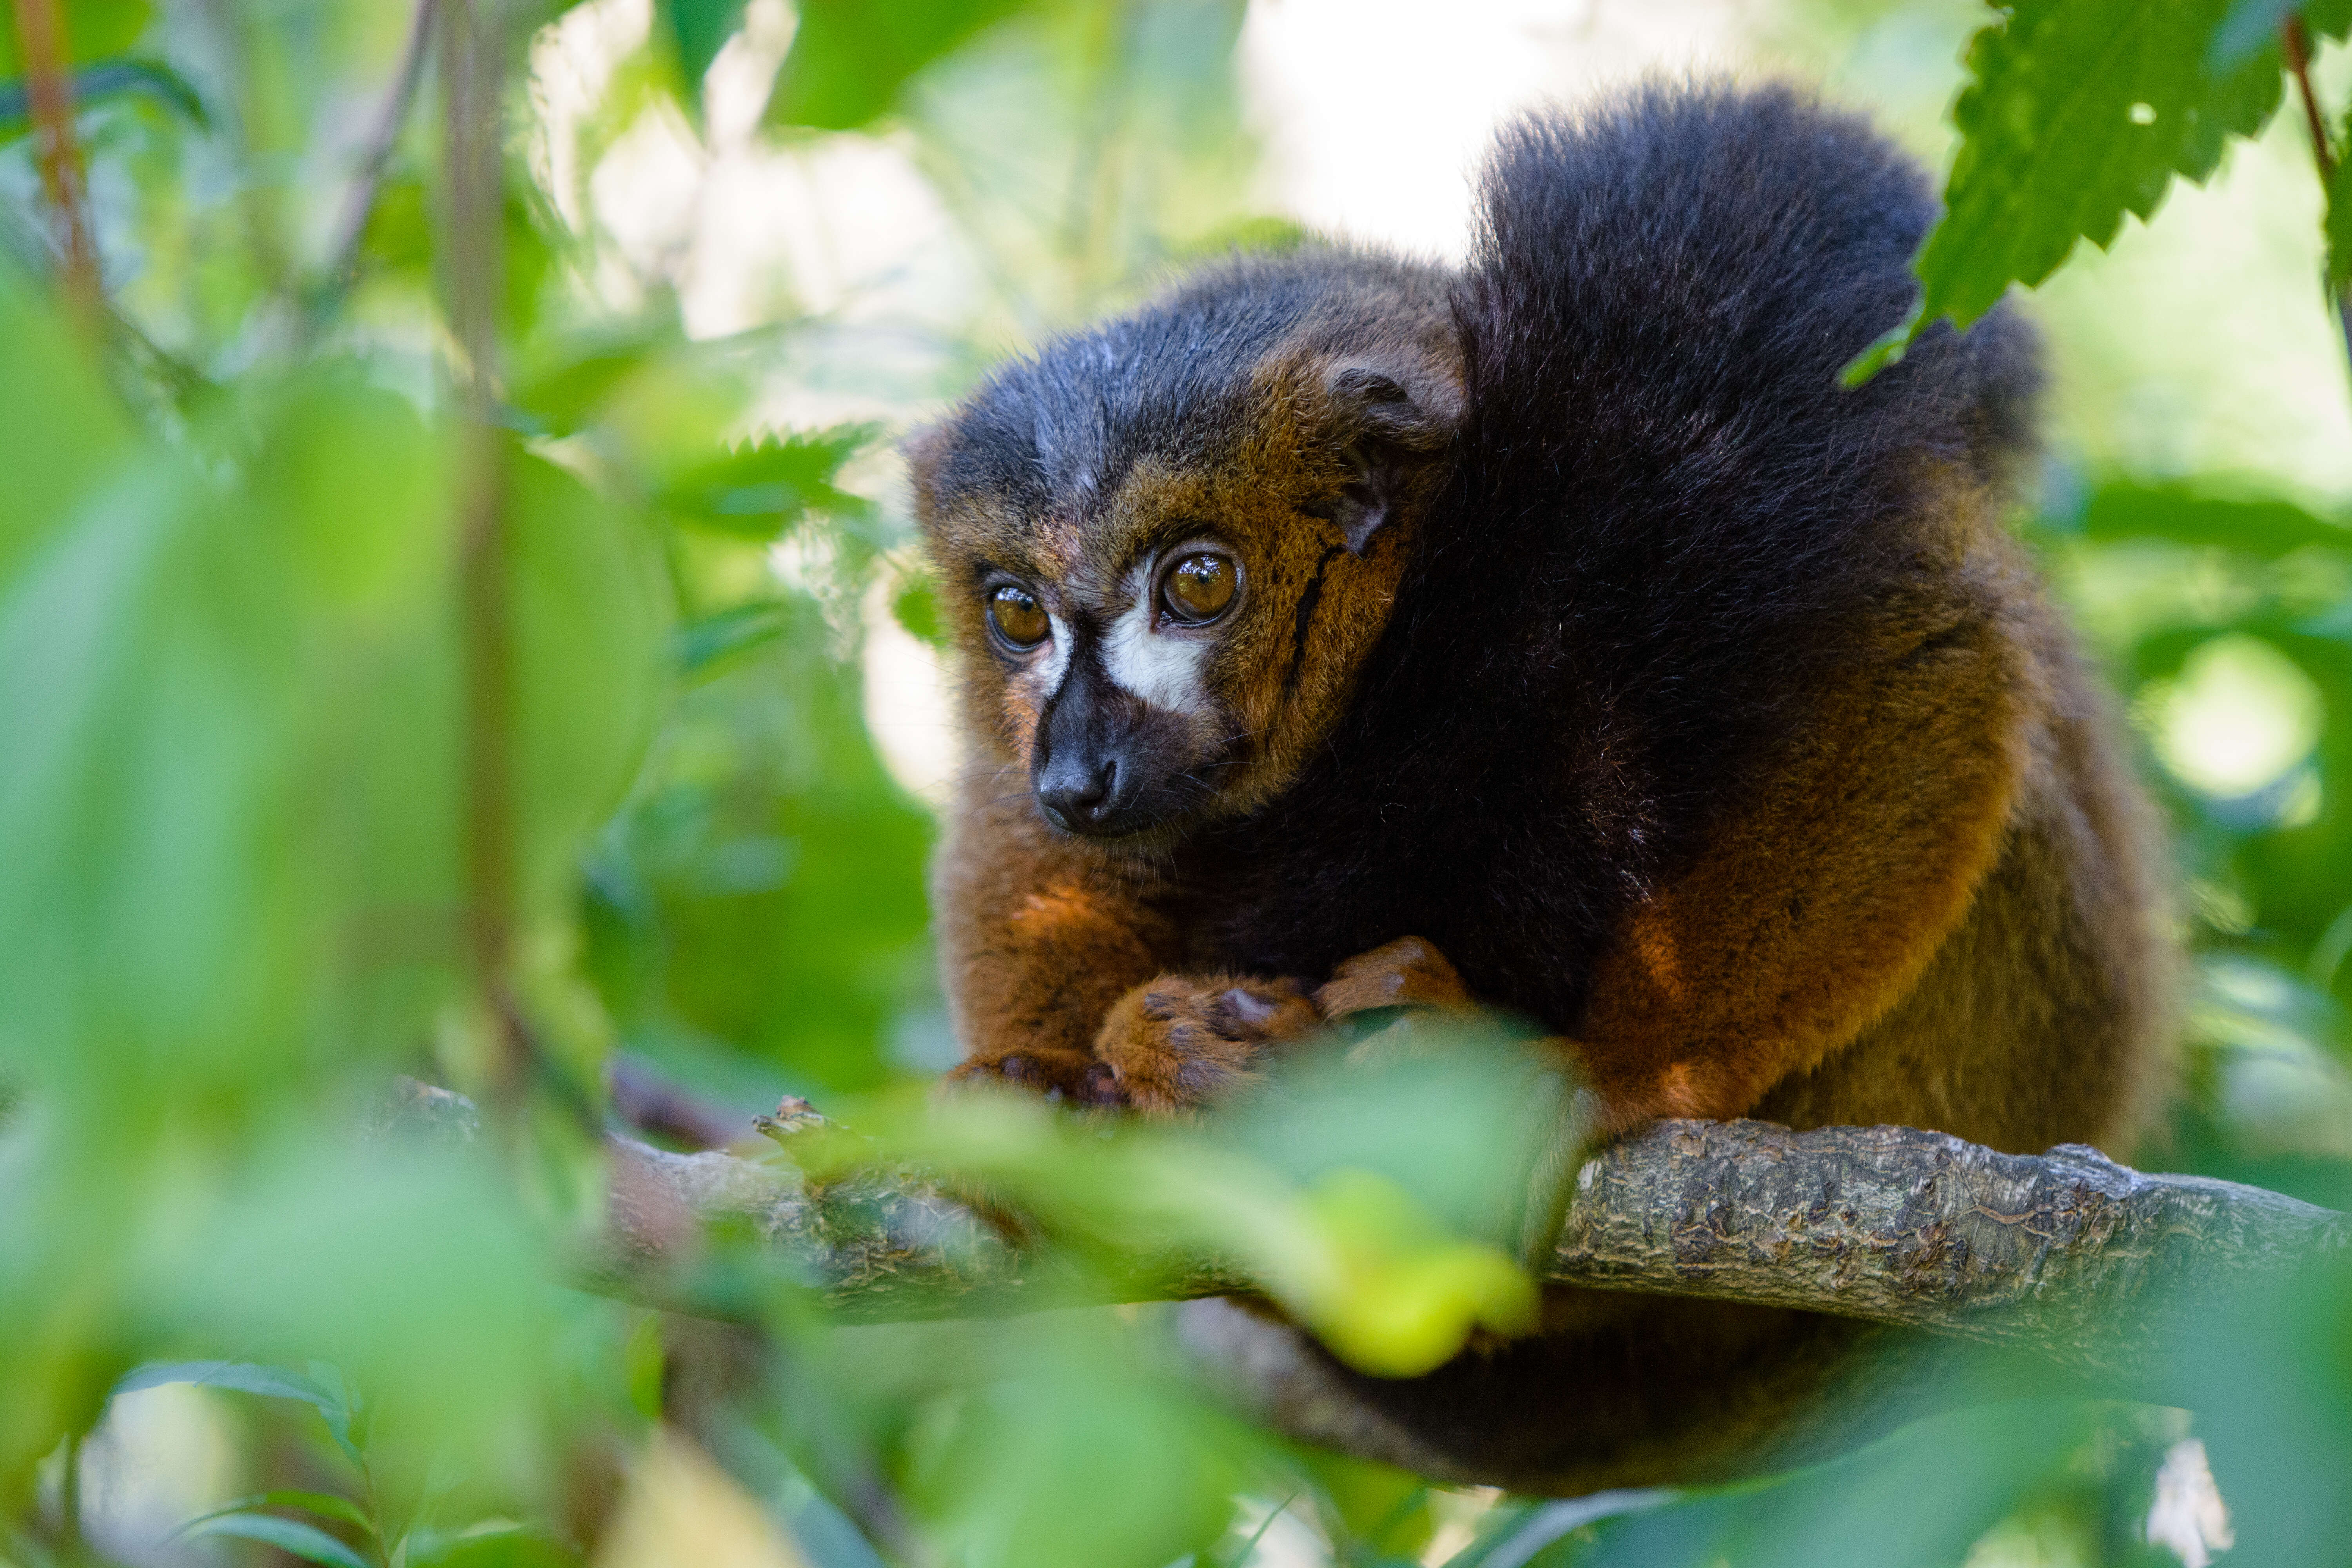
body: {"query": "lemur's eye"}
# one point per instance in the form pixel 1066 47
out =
pixel 1197 588
pixel 1020 621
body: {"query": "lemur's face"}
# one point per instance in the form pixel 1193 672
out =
pixel 1165 555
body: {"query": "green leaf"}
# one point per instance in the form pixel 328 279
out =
pixel 2180 514
pixel 307 1542
pixel 916 606
pixel 591 621
pixel 697 29
pixel 325 1503
pixel 239 1376
pixel 764 887
pixel 111 78
pixel 2076 112
pixel 705 646
pixel 850 58
pixel 564 394
pixel 237 701
pixel 760 489
pixel 270 1383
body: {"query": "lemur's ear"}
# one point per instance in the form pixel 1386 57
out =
pixel 925 450
pixel 1389 438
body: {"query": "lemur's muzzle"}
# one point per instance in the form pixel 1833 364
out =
pixel 1107 764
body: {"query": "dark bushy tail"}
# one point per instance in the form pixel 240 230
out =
pixel 1678 274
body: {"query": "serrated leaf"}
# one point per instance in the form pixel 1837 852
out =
pixel 850 58
pixel 307 1542
pixel 2076 112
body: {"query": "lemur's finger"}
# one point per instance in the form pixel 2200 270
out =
pixel 1406 972
pixel 1182 1042
pixel 1076 1076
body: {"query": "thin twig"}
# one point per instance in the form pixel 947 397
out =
pixel 473 266
pixel 2297 44
pixel 649 1102
pixel 367 180
pixel 41 37
pixel 2298 60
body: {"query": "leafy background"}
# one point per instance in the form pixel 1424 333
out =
pixel 742 246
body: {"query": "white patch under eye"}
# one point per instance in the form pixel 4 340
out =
pixel 1164 670
pixel 1057 655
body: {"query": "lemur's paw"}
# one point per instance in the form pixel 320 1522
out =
pixel 1074 1076
pixel 1406 972
pixel 1181 1041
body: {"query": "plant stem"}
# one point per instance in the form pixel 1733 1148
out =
pixel 41 39
pixel 367 182
pixel 473 188
pixel 2297 44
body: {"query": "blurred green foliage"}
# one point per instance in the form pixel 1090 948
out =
pixel 240 1321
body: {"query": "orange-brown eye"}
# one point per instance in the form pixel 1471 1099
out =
pixel 1197 588
pixel 1017 616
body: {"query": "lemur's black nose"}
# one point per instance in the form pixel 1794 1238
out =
pixel 1078 794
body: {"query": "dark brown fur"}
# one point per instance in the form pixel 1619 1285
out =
pixel 1600 660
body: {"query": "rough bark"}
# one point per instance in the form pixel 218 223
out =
pixel 2067 1255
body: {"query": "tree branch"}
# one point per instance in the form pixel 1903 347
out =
pixel 367 178
pixel 2296 43
pixel 2066 1254
pixel 41 41
pixel 473 262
